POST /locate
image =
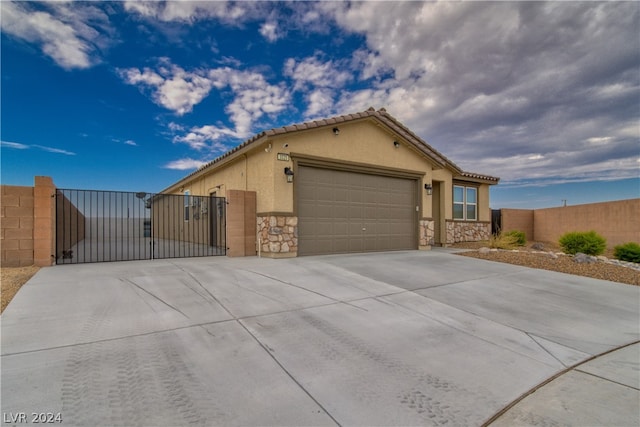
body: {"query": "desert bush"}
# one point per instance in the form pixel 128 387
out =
pixel 503 241
pixel 519 235
pixel 586 242
pixel 627 252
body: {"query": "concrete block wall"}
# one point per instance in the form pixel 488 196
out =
pixel 617 221
pixel 518 219
pixel 17 223
pixel 27 224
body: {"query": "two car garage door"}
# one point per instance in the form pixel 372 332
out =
pixel 343 211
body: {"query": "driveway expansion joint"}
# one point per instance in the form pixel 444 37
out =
pixel 529 392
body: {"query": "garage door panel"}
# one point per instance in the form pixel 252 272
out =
pixel 335 206
pixel 340 213
pixel 324 210
pixel 341 229
pixel 355 211
pixel 341 195
pixel 340 245
pixel 354 229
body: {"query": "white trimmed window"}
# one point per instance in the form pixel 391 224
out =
pixel 187 203
pixel 465 203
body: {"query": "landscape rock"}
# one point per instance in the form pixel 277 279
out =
pixel 537 246
pixel 581 258
pixel 484 250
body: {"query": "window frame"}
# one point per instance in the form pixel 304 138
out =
pixel 465 204
pixel 187 204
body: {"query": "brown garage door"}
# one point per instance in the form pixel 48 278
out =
pixel 341 211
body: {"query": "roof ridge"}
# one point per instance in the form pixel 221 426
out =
pixel 381 114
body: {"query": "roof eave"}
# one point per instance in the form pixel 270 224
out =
pixel 477 178
pixel 220 161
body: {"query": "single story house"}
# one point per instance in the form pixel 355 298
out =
pixel 354 183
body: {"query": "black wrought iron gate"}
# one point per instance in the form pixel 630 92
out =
pixel 101 226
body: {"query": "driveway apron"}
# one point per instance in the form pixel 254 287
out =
pixel 399 338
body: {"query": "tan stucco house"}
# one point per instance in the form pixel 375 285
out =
pixel 354 183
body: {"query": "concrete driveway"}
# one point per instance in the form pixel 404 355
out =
pixel 403 338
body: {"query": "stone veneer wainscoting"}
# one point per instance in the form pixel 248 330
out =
pixel 278 235
pixel 427 233
pixel 468 231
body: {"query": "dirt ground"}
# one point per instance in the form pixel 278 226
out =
pixel 13 278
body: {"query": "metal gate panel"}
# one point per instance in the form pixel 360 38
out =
pixel 102 226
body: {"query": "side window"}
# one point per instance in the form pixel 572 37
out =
pixel 472 204
pixel 465 203
pixel 187 203
pixel 458 202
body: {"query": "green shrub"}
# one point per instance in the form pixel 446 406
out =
pixel 521 239
pixel 586 242
pixel 627 252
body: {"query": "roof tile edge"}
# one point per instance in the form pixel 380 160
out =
pixel 381 114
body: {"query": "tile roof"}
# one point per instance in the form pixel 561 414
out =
pixel 381 115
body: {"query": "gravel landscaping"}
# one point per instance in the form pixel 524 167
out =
pixel 552 259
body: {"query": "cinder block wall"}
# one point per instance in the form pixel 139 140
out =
pixel 16 205
pixel 618 222
pixel 518 219
pixel 27 224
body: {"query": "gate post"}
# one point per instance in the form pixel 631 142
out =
pixel 44 203
pixel 241 223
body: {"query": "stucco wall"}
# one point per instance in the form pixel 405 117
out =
pixel 362 142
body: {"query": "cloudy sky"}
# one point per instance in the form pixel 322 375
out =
pixel 135 95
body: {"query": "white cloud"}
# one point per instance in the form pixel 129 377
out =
pixel 71 34
pixel 178 90
pixel 318 80
pixel 55 150
pixel 172 87
pixel 599 140
pixel 15 145
pixel 269 30
pixel 490 84
pixel 131 142
pixel 192 11
pixel 185 164
pixel 254 98
pixel 19 146
pixel 319 103
pixel 312 71
pixel 202 137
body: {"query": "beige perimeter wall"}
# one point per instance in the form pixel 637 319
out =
pixel 618 221
pixel 27 224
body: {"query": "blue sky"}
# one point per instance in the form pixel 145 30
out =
pixel 133 96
